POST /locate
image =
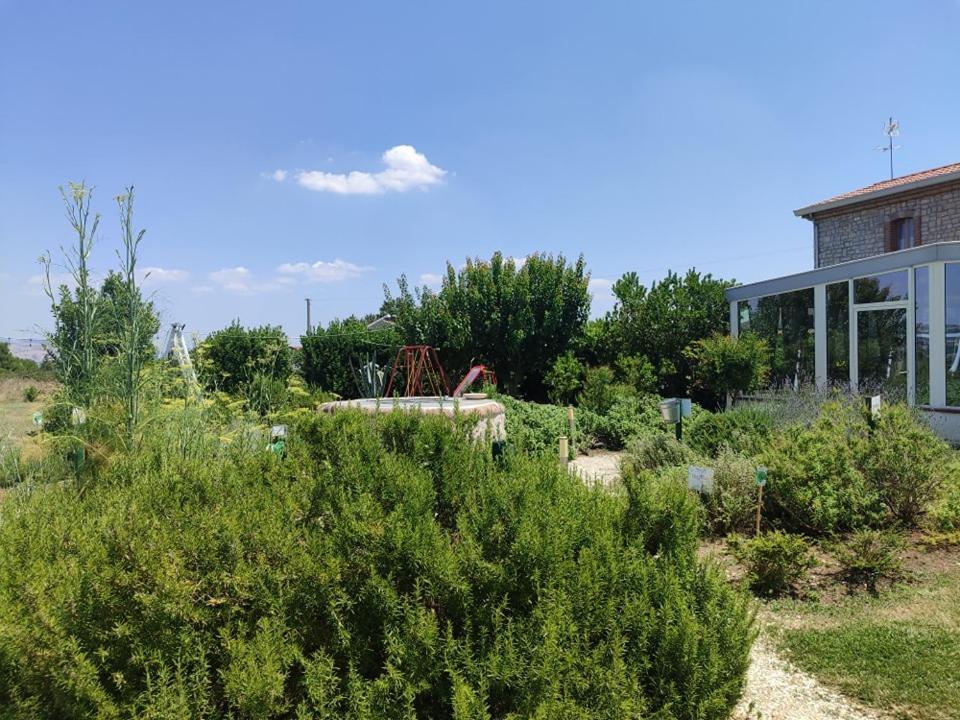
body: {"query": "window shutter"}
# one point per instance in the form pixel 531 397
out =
pixel 888 239
pixel 916 231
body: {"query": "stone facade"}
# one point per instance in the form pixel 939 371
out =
pixel 858 231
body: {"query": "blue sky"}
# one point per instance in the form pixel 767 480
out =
pixel 644 136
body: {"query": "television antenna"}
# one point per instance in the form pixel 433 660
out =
pixel 891 129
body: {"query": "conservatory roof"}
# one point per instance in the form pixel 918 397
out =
pixel 848 270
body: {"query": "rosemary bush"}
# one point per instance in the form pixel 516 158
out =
pixel 385 568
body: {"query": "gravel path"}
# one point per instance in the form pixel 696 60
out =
pixel 776 690
pixel 599 467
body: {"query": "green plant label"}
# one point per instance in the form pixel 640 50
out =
pixel 761 476
pixel 38 419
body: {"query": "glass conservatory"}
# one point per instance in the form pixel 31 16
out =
pixel 888 324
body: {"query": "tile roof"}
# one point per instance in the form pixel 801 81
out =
pixel 925 176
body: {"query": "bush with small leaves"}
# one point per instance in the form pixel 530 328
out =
pixel 816 484
pixel 386 568
pixel 564 379
pixel 944 511
pixel 657 450
pixel 868 556
pixel 744 430
pixel 732 503
pixel 777 562
pixel 903 462
pixel 30 394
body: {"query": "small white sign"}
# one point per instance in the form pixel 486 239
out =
pixel 686 408
pixel 700 479
pixel 875 403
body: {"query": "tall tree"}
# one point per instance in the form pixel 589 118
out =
pixel 661 322
pixel 514 317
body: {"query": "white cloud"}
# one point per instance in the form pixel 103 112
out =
pixel 599 286
pixel 159 275
pixel 321 271
pixel 406 169
pixel 236 279
pixel 431 279
pixel 279 175
pixel 601 290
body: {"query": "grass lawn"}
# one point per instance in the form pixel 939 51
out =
pixel 898 653
pixel 16 416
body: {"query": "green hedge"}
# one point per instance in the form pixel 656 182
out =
pixel 385 568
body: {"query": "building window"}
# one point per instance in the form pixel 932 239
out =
pixel 903 233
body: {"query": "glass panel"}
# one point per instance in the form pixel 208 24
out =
pixel 905 233
pixel 921 347
pixel 881 288
pixel 838 334
pixel 786 322
pixel 952 287
pixel 882 352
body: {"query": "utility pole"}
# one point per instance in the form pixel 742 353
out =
pixel 309 326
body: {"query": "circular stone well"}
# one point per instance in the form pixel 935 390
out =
pixel 489 413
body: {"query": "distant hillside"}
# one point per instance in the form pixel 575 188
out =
pixel 29 350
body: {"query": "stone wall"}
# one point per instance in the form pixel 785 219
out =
pixel 855 232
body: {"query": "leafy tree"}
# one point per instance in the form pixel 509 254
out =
pixel 231 358
pixel 637 372
pixel 565 379
pixel 724 366
pixel 332 357
pixel 660 322
pixel 117 306
pixel 516 319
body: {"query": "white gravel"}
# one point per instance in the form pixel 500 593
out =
pixel 776 690
pixel 600 467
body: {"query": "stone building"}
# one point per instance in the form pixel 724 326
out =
pixel 909 211
pixel 880 311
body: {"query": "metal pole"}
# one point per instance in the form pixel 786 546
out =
pixel 759 505
pixel 564 451
pixel 309 326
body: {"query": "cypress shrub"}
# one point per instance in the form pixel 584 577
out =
pixel 385 568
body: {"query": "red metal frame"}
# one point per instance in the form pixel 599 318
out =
pixel 422 370
pixel 473 374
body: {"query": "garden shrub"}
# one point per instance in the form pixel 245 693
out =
pixel 265 394
pixel 30 393
pixel 944 511
pixel 662 514
pixel 869 555
pixel 903 461
pixel 732 504
pixel 744 430
pixel 776 562
pixel 628 417
pixel 656 450
pixel 564 379
pixel 386 568
pixel 534 428
pixel 231 358
pixel 815 483
pixel 601 390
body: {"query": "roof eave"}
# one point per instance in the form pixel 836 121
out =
pixel 810 210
